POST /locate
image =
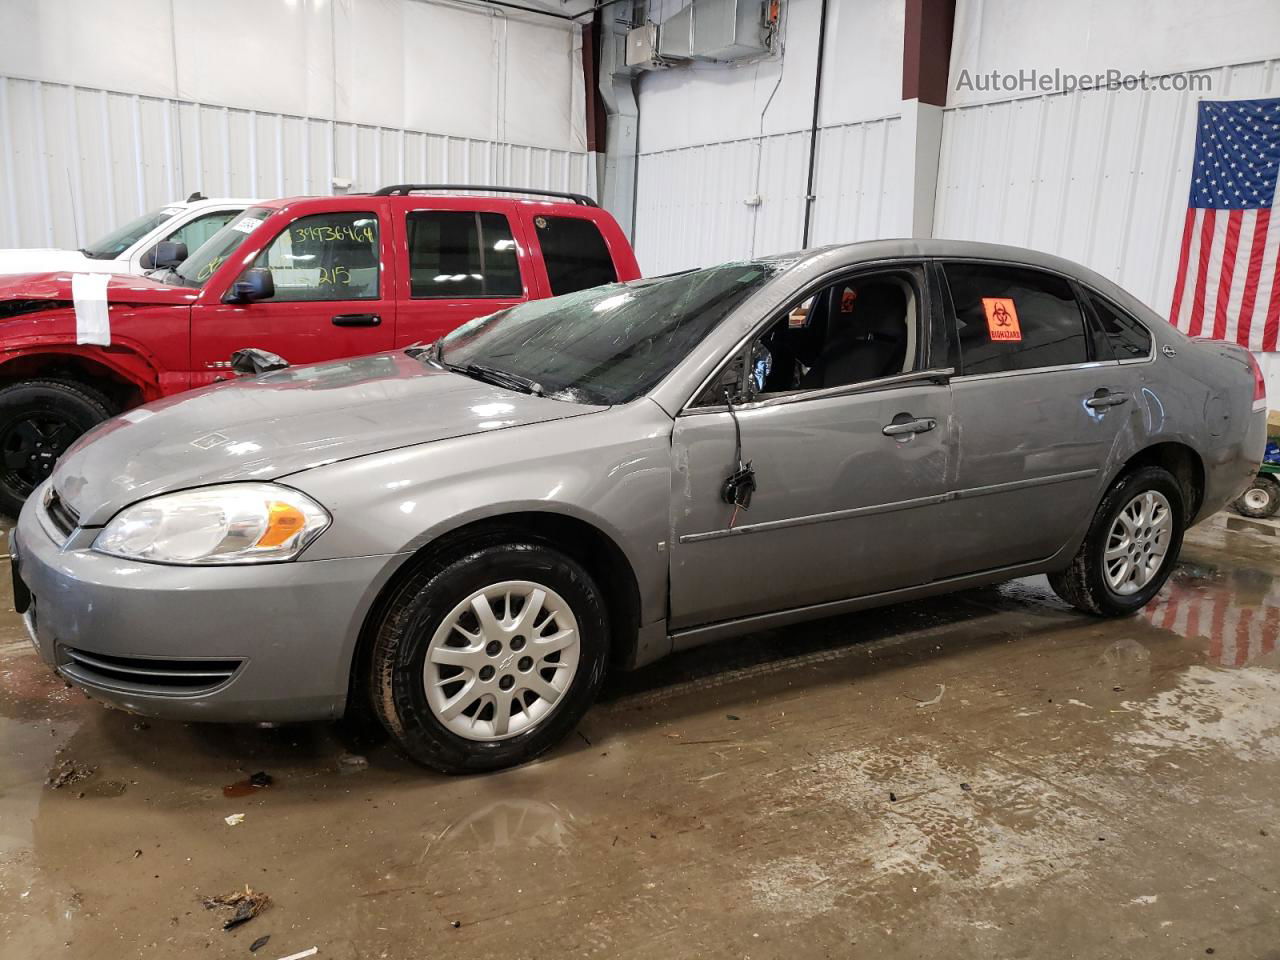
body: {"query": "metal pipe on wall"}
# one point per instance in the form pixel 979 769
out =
pixel 809 196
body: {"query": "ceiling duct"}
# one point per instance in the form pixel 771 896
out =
pixel 709 30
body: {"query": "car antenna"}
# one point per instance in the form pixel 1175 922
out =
pixel 741 484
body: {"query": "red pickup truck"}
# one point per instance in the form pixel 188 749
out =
pixel 308 278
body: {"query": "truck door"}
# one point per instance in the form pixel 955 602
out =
pixel 334 296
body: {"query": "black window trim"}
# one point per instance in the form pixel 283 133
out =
pixel 1094 292
pixel 949 309
pixel 927 318
pixel 522 296
pixel 377 295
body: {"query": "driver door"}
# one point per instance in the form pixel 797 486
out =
pixel 334 297
pixel 849 433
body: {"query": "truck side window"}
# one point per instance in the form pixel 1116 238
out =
pixel 574 252
pixel 328 256
pixel 462 254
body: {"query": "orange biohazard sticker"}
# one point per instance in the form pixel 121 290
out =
pixel 1002 318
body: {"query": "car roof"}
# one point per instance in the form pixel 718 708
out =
pixel 446 201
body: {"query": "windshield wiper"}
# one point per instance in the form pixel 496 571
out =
pixel 501 378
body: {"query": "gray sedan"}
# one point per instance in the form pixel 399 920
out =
pixel 464 537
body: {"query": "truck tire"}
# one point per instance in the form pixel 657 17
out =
pixel 39 419
pixel 1131 546
pixel 1261 500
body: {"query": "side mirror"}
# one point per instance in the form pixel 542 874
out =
pixel 256 283
pixel 254 360
pixel 165 255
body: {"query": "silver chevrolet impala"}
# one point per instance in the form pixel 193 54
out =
pixel 465 536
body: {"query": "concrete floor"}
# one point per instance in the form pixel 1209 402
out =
pixel 989 774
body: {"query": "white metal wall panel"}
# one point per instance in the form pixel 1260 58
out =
pixel 1100 177
pixel 691 207
pixel 76 162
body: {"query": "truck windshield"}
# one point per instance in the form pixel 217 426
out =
pixel 604 345
pixel 122 238
pixel 213 253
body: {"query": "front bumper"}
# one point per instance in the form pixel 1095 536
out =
pixel 267 642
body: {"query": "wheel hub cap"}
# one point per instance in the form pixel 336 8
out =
pixel 502 660
pixel 1256 499
pixel 1138 542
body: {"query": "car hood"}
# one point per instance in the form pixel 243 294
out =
pixel 122 289
pixel 270 426
pixel 48 259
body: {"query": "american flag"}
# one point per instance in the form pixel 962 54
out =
pixel 1239 628
pixel 1228 283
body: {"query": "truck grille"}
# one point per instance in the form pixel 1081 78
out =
pixel 146 673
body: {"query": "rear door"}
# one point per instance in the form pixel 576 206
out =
pixel 455 264
pixel 1039 404
pixel 334 294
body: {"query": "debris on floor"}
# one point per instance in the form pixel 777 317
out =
pixel 942 688
pixel 234 819
pixel 68 772
pixel 352 763
pixel 259 943
pixel 244 905
pixel 250 784
pixel 304 954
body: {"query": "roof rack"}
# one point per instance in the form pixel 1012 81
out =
pixel 404 189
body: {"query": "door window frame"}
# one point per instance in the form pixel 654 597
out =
pixel 1089 327
pixel 926 319
pixel 475 212
pixel 1093 293
pixel 381 259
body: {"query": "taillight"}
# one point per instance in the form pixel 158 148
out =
pixel 1259 382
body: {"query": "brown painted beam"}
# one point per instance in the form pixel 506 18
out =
pixel 926 52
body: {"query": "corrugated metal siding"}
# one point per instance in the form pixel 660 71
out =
pixel 691 209
pixel 78 162
pixel 1100 177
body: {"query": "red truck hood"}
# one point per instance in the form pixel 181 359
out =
pixel 121 288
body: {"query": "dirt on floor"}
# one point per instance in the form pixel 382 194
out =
pixel 984 775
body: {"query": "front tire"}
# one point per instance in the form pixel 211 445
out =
pixel 1261 500
pixel 39 419
pixel 1130 549
pixel 488 658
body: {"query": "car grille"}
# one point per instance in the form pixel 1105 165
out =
pixel 146 673
pixel 63 518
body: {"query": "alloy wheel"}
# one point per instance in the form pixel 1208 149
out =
pixel 1138 542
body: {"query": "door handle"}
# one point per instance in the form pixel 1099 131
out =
pixel 907 427
pixel 357 320
pixel 1105 398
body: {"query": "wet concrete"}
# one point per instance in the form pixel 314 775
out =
pixel 988 774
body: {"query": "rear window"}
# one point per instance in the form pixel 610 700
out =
pixel 1013 318
pixel 1130 340
pixel 457 254
pixel 575 254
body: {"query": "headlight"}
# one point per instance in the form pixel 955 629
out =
pixel 228 523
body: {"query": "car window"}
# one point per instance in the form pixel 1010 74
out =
pixel 457 254
pixel 608 344
pixel 122 238
pixel 326 256
pixel 856 330
pixel 213 253
pixel 199 230
pixel 574 252
pixel 1013 318
pixel 1129 339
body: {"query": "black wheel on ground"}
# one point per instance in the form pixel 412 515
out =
pixel 39 419
pixel 486 658
pixel 1261 500
pixel 1131 546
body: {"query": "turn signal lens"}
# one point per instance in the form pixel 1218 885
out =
pixel 284 520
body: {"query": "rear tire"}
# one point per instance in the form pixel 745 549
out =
pixel 490 657
pixel 39 419
pixel 1122 564
pixel 1261 500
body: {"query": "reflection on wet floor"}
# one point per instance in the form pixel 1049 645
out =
pixel 988 773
